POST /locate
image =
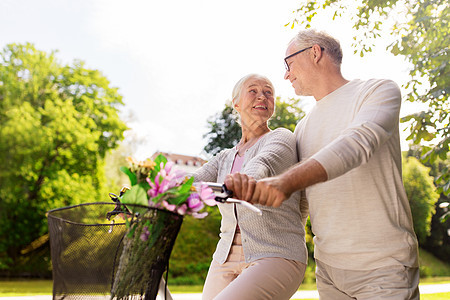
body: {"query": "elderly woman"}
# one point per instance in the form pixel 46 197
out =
pixel 257 257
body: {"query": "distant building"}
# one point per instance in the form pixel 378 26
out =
pixel 183 162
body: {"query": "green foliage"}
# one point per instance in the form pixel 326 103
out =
pixel 421 194
pixel 438 242
pixel 195 244
pixel 421 34
pixel 287 114
pixel 430 266
pixel 225 132
pixel 310 274
pixel 57 123
pixel 309 236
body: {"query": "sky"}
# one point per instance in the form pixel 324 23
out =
pixel 175 62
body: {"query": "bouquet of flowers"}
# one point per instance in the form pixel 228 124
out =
pixel 159 197
pixel 157 184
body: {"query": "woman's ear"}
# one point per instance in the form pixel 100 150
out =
pixel 235 106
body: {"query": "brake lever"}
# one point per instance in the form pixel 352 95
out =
pixel 224 193
pixel 224 196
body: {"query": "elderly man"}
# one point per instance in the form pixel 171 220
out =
pixel 350 170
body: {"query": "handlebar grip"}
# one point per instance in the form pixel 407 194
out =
pixel 225 195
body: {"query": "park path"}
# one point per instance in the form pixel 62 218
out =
pixel 312 294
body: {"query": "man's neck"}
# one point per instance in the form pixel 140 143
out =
pixel 329 85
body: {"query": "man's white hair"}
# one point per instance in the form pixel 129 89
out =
pixel 309 37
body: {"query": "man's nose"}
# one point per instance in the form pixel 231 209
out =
pixel 286 75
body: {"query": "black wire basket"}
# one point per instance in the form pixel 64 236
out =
pixel 95 255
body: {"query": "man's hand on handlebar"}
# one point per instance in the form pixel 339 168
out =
pixel 243 186
pixel 268 191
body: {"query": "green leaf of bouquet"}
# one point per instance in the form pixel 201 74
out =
pixel 180 199
pixel 155 172
pixel 160 158
pixel 156 199
pixel 136 195
pixel 145 185
pixel 186 187
pixel 173 192
pixel 131 175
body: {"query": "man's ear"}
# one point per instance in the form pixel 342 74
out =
pixel 317 53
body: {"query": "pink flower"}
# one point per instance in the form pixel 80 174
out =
pixel 182 209
pixel 194 202
pixel 168 206
pixel 200 215
pixel 166 179
pixel 207 195
pixel 173 176
pixel 145 234
pixel 158 187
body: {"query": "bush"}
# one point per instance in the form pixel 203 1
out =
pixel 422 195
pixel 430 266
pixel 193 249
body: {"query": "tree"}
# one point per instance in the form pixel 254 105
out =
pixel 421 35
pixel 421 193
pixel 287 114
pixel 57 123
pixel 225 132
pixel 438 241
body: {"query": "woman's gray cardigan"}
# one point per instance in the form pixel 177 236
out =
pixel 279 232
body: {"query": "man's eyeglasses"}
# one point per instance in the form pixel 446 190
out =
pixel 286 65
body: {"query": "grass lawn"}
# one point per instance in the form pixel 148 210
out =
pixel 434 280
pixel 22 287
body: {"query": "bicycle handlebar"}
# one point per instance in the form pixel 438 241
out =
pixel 224 195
